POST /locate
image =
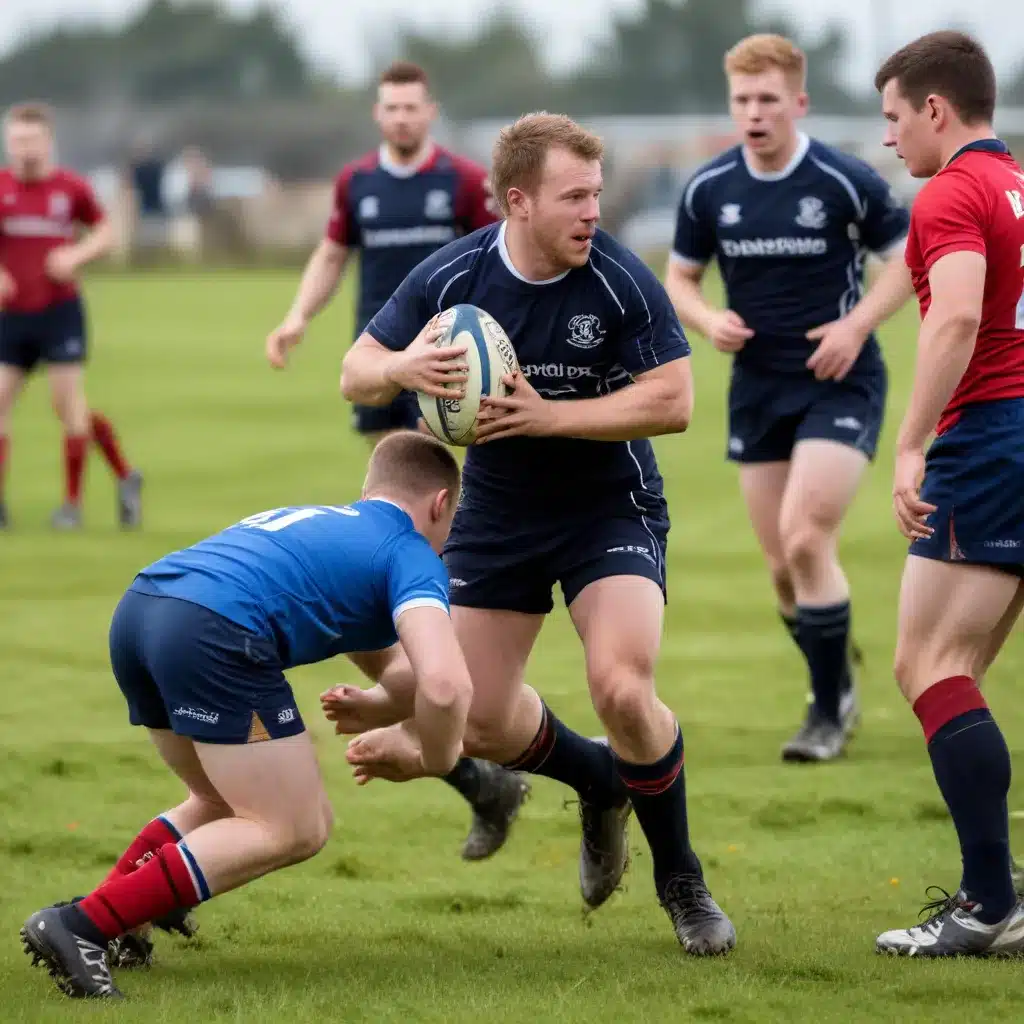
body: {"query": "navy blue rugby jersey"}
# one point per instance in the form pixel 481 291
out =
pixel 398 216
pixel 583 334
pixel 790 244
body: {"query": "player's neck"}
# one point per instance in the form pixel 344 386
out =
pixel 391 157
pixel 524 259
pixel 779 161
pixel 964 136
pixel 32 175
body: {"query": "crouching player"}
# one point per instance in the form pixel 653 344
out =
pixel 199 645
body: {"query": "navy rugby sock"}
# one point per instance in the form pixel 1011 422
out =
pixel 464 778
pixel 972 767
pixel 658 794
pixel 824 637
pixel 584 764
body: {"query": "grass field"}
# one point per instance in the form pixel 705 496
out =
pixel 387 924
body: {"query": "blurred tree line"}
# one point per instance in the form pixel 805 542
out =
pixel 243 79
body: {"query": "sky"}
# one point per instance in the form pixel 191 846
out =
pixel 337 32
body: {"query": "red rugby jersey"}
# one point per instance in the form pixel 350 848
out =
pixel 976 204
pixel 37 217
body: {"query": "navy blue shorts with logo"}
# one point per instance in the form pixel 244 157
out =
pixel 974 475
pixel 504 565
pixel 183 667
pixel 54 335
pixel 769 413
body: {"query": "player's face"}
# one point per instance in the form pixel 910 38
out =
pixel 404 114
pixel 562 214
pixel 763 108
pixel 912 133
pixel 28 147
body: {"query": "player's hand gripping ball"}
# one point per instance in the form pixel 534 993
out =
pixel 489 356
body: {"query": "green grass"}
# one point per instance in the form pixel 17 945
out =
pixel 387 924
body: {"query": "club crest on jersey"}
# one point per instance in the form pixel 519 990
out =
pixel 438 205
pixel 60 205
pixel 729 214
pixel 369 208
pixel 585 331
pixel 812 213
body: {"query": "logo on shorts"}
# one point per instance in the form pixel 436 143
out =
pixel 585 331
pixel 286 716
pixel 847 423
pixel 72 347
pixel 455 582
pixel 197 715
pixel 438 205
pixel 632 549
pixel 736 446
pixel 729 214
pixel 369 208
pixel 812 213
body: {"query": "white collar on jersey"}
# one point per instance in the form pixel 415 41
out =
pixel 397 170
pixel 803 143
pixel 507 260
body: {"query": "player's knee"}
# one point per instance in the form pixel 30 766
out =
pixel 487 735
pixel 624 698
pixel 305 837
pixel 806 545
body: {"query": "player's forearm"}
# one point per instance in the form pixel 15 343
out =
pixel 442 706
pixel 319 280
pixel 688 299
pixel 365 375
pixel 98 242
pixel 888 294
pixel 643 409
pixel 944 349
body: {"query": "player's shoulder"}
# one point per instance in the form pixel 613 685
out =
pixel 836 159
pixel 621 269
pixel 65 178
pixel 365 164
pixel 459 255
pixel 714 171
pixel 463 166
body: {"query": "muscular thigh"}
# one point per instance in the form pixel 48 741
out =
pixel 824 477
pixel 950 617
pixel 763 485
pixel 496 644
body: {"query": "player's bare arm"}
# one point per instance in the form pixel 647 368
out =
pixel 659 401
pixel 372 374
pixel 63 263
pixel 724 328
pixel 840 342
pixel 318 284
pixel 944 348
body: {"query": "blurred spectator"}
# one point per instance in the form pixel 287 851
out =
pixel 145 180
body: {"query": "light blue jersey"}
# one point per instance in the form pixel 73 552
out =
pixel 319 580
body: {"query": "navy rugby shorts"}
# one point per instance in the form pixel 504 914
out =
pixel 55 335
pixel 974 474
pixel 183 667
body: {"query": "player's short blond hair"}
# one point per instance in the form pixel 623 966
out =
pixel 411 465
pixel 765 51
pixel 29 113
pixel 521 148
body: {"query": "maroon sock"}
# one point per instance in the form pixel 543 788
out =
pixel 75 448
pixel 159 832
pixel 105 437
pixel 163 883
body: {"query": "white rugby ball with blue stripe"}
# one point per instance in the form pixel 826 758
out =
pixel 489 355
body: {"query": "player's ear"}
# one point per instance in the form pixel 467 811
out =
pixel 439 506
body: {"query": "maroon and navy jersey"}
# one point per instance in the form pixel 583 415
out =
pixel 976 204
pixel 37 217
pixel 398 217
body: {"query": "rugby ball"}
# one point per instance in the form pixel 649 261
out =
pixel 489 355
